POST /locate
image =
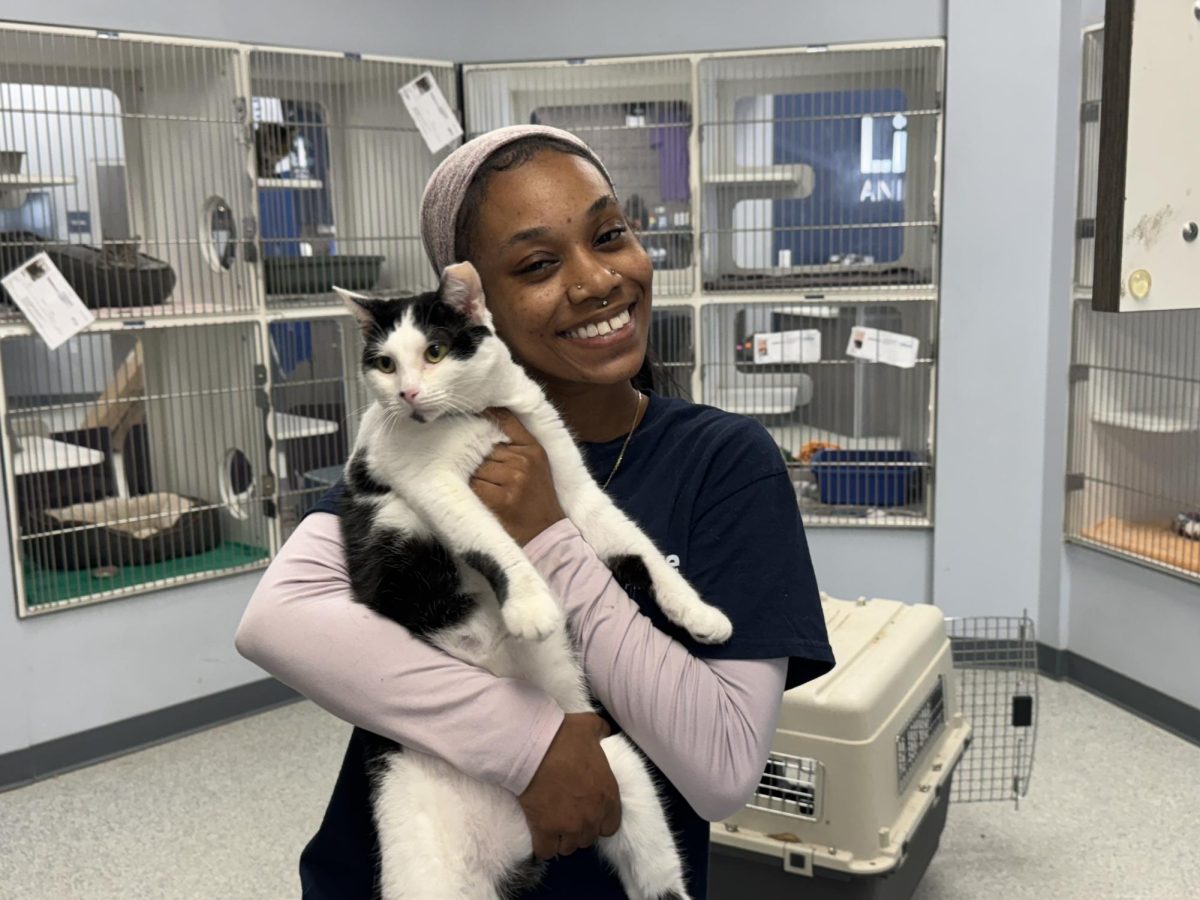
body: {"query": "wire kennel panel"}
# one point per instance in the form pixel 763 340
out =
pixel 1133 489
pixel 857 434
pixel 636 114
pixel 134 461
pixel 820 168
pixel 123 157
pixel 340 168
pixel 317 401
pixel 995 664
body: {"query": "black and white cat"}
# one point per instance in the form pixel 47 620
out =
pixel 423 550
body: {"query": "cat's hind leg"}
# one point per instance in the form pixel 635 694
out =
pixel 443 836
pixel 643 850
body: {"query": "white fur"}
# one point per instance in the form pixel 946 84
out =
pixel 442 834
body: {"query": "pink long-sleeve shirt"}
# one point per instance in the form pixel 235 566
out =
pixel 707 724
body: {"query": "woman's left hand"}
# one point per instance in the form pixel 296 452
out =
pixel 515 483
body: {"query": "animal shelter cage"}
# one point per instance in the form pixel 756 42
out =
pixel 820 169
pixel 201 199
pixel 1133 487
pixel 223 188
pixel 339 171
pixel 919 711
pixel 123 160
pixel 637 114
pixel 135 460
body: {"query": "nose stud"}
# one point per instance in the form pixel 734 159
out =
pixel 603 303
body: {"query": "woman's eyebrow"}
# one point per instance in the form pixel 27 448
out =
pixel 529 234
pixel 603 203
pixel 532 234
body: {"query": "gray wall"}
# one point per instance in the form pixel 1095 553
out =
pixel 513 29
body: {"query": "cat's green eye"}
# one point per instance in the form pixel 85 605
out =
pixel 385 364
pixel 436 352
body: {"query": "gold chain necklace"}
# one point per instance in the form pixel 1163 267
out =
pixel 624 446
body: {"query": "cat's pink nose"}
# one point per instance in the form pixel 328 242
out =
pixel 411 394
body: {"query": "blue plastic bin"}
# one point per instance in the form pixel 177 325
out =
pixel 865 477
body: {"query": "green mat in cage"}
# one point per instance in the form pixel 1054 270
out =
pixel 43 586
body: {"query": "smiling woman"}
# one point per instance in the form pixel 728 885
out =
pixel 569 289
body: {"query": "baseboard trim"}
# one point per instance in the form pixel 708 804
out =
pixel 22 767
pixel 1143 701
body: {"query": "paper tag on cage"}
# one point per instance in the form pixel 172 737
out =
pixel 803 346
pixel 430 112
pixel 48 302
pixel 885 347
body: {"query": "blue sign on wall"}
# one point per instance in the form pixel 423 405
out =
pixel 857 144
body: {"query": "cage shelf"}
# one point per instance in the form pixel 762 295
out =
pixel 39 455
pixel 290 427
pixel 1156 420
pixel 1146 541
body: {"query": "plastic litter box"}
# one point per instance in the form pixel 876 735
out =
pixel 866 477
pixel 318 274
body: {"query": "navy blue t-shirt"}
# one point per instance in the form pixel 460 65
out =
pixel 710 488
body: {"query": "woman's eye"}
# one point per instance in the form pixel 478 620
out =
pixel 385 364
pixel 536 267
pixel 436 352
pixel 612 234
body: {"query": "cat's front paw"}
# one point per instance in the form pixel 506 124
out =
pixel 707 624
pixel 531 612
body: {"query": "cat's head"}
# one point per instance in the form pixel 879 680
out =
pixel 432 354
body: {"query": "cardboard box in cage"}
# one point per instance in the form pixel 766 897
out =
pixel 854 796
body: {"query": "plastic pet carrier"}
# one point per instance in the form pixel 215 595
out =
pixel 854 797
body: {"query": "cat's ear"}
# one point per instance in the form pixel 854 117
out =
pixel 357 304
pixel 462 291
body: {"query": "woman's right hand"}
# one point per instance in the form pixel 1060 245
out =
pixel 573 797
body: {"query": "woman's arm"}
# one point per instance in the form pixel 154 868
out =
pixel 707 724
pixel 303 627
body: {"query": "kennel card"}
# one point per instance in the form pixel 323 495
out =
pixel 430 112
pixel 47 300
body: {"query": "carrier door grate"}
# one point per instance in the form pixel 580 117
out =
pixel 791 786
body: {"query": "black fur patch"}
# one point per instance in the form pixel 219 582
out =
pixel 521 879
pixel 489 569
pixel 437 320
pixel 411 580
pixel 631 573
pixel 361 480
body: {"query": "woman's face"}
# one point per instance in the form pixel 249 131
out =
pixel 551 245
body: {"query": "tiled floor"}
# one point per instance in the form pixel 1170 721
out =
pixel 1113 812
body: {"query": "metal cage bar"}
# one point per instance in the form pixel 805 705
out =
pixel 791 786
pixel 1133 489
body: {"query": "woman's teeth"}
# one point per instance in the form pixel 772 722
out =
pixel 616 323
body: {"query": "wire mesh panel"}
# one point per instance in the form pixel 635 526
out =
pixel 123 159
pixel 995 661
pixel 340 168
pixel 136 460
pixel 636 115
pixel 856 431
pixel 317 400
pixel 819 168
pixel 672 348
pixel 1089 158
pixel 1133 486
pixel 791 786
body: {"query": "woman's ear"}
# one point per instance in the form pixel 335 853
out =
pixel 462 291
